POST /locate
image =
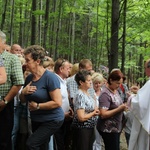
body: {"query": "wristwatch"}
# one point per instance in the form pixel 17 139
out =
pixel 38 106
pixel 5 101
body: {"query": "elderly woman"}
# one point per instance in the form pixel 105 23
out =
pixel 111 110
pixel 85 112
pixel 42 91
pixel 98 82
pixel 48 63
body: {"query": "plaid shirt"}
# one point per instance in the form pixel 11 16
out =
pixel 14 72
pixel 72 86
pixel 1 61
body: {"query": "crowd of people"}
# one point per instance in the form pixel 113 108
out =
pixel 56 105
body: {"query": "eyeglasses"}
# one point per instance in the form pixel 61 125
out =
pixel 63 60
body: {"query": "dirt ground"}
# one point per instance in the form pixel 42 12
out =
pixel 123 144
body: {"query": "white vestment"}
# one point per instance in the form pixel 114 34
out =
pixel 140 133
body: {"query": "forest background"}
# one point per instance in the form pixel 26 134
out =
pixel 112 33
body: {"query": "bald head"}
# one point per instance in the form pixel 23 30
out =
pixel 16 49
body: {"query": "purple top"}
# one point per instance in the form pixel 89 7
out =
pixel 109 101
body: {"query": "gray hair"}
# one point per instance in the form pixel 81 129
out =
pixel 3 36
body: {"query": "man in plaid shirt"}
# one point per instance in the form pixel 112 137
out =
pixel 7 92
pixel 72 87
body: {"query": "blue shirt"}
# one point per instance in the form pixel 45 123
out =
pixel 48 82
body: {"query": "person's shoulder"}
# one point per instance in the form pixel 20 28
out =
pixel 79 94
pixel 105 93
pixel 47 72
pixel 105 90
pixel 7 54
pixel 50 75
pixel 71 78
pixel 30 76
pixel 11 56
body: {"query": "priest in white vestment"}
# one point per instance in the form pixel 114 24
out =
pixel 140 133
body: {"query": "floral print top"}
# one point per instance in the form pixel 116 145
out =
pixel 109 100
pixel 83 101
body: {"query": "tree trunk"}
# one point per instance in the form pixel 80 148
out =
pixel 96 46
pixel 27 26
pixel 58 28
pixel 46 19
pixel 33 23
pixel 73 36
pixel 107 30
pixel 4 15
pixel 40 24
pixel 124 37
pixel 129 80
pixel 53 39
pixel 114 35
pixel 21 29
pixel 11 22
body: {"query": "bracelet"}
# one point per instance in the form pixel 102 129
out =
pixel 38 106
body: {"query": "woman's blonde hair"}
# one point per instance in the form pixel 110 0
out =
pixel 97 77
pixel 48 61
pixel 75 69
pixel 21 58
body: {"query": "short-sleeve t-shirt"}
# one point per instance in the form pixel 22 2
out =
pixel 109 101
pixel 48 82
pixel 14 72
pixel 83 101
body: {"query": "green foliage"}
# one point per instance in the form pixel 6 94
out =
pixel 38 12
pixel 92 28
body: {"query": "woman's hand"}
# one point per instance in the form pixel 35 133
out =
pixel 29 89
pixel 32 106
pixel 134 89
pixel 106 113
pixel 96 112
pixel 69 114
pixel 123 107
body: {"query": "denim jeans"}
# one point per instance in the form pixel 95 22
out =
pixel 15 130
pixel 51 143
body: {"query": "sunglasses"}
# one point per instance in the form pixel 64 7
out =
pixel 63 60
